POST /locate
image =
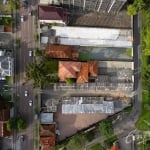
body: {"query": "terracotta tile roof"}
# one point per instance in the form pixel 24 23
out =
pixel 7 29
pixel 47 136
pixel 4 115
pixel 3 130
pixel 47 130
pixel 47 143
pixel 61 51
pixel 51 13
pixel 79 70
pixel 58 51
pixel 93 68
pixel 114 147
pixel 82 76
pixel 68 69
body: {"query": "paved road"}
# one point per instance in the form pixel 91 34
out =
pixel 128 123
pixel 26 35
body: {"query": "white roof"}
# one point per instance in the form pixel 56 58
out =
pixel 46 118
pixel 85 36
pixel 44 39
pixel 105 107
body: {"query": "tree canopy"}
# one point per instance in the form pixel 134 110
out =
pixel 77 142
pixel 42 73
pixel 105 128
pixel 21 123
pixel 10 124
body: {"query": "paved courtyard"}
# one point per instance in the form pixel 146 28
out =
pixel 70 124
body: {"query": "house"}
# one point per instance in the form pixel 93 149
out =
pixel 89 36
pixel 47 136
pixel 46 118
pixel 61 52
pixel 81 71
pixel 6 66
pixel 52 14
pixel 4 117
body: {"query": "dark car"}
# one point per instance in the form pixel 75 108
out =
pixel 25 4
pixel 21 138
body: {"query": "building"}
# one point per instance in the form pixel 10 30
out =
pixel 81 71
pixel 51 14
pixel 4 117
pixel 47 136
pixel 107 6
pixel 104 107
pixel 6 66
pixel 46 118
pixel 61 52
pixel 87 36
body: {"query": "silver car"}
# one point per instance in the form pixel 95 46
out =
pixel 25 93
pixel 22 18
pixel 30 103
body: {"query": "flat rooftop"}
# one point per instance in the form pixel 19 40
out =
pixel 94 37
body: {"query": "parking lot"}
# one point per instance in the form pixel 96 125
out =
pixel 70 124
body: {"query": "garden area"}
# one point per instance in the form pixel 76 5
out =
pixel 144 7
pixel 42 73
pixel 102 130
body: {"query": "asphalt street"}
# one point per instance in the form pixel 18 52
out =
pixel 26 36
pixel 127 124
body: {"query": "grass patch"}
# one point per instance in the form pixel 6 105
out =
pixel 36 136
pixel 129 52
pixel 140 124
pixel 84 56
pixel 97 147
pixel 9 79
pixel 128 109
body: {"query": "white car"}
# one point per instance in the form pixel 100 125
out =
pixel 22 18
pixel 25 93
pixel 30 103
pixel 30 53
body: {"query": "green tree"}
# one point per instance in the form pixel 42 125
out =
pixel 21 123
pixel 42 73
pixel 10 125
pixel 132 10
pixel 105 128
pixel 76 143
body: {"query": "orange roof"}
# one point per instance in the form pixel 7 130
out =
pixel 82 76
pixel 93 68
pixel 68 69
pixel 7 29
pixel 114 147
pixel 47 130
pixel 4 115
pixel 61 51
pixel 47 143
pixel 47 136
pixel 3 130
pixel 78 70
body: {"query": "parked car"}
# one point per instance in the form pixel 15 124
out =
pixel 25 4
pixel 30 53
pixel 22 18
pixel 25 93
pixel 30 103
pixel 30 13
pixel 21 138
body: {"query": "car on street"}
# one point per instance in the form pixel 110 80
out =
pixel 25 4
pixel 30 103
pixel 25 93
pixel 30 53
pixel 21 138
pixel 30 13
pixel 22 18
